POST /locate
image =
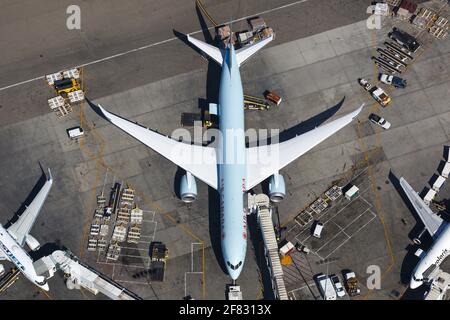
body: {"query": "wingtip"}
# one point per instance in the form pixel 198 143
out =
pixel 98 109
pixel 50 177
pixel 403 182
pixel 357 111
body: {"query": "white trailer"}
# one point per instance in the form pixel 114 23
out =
pixel 429 196
pixel 446 170
pixel 326 287
pixel 286 249
pixel 438 183
pixel 75 133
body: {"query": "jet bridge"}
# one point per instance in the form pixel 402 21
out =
pixel 79 275
pixel 439 286
pixel 260 204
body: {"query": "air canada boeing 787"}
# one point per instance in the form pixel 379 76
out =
pixel 230 167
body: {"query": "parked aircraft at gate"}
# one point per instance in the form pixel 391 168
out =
pixel 231 178
pixel 14 238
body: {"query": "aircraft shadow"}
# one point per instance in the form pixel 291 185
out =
pixel 306 125
pixel 46 250
pixel 410 261
pixel 212 96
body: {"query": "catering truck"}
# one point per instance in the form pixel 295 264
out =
pixel 377 93
pixel 326 287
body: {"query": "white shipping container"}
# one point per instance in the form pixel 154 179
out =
pixel 446 170
pixel 352 193
pixel 288 247
pixel 429 196
pixel 438 183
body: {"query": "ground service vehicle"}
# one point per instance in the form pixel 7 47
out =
pixel 66 85
pixel 326 287
pixel 351 284
pixel 272 96
pixel 377 93
pixel 318 229
pixel 379 121
pixel 393 80
pixel 337 285
pixel 405 39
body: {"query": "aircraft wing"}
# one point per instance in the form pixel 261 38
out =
pixel 198 160
pixel 264 161
pixel 20 229
pixel 431 221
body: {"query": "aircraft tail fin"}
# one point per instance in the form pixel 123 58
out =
pixel 246 52
pixel 210 50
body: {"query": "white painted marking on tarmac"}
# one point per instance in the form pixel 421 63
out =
pixel 152 45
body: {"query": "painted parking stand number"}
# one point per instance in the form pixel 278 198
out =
pixel 73 21
pixel 373 22
pixel 374 279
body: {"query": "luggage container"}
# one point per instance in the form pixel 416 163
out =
pixel 352 193
pixel 75 133
pixel 287 248
pixel 438 183
pixel 429 196
pixel 446 170
pixel 272 96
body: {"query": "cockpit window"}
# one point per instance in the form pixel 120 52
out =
pixel 234 267
pixel 41 283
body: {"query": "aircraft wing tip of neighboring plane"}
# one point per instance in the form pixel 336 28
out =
pixel 50 177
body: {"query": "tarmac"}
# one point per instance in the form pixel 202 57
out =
pixel 313 66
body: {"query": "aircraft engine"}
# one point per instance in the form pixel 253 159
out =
pixel 417 240
pixel 32 243
pixel 188 188
pixel 277 188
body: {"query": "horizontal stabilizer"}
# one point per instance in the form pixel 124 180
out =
pixel 246 52
pixel 210 50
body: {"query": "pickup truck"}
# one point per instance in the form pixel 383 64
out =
pixel 393 80
pixel 377 93
pixel 379 121
pixel 405 39
pixel 351 283
pixel 337 285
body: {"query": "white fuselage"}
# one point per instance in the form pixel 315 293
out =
pixel 17 255
pixel 433 258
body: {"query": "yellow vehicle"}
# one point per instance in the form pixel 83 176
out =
pixel 66 85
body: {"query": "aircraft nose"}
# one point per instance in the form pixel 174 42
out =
pixel 234 274
pixel 414 284
pixel 45 287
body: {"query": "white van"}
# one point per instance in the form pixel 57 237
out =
pixel 326 287
pixel 318 229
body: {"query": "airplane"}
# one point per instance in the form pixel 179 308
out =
pixel 439 231
pixel 14 238
pixel 232 178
